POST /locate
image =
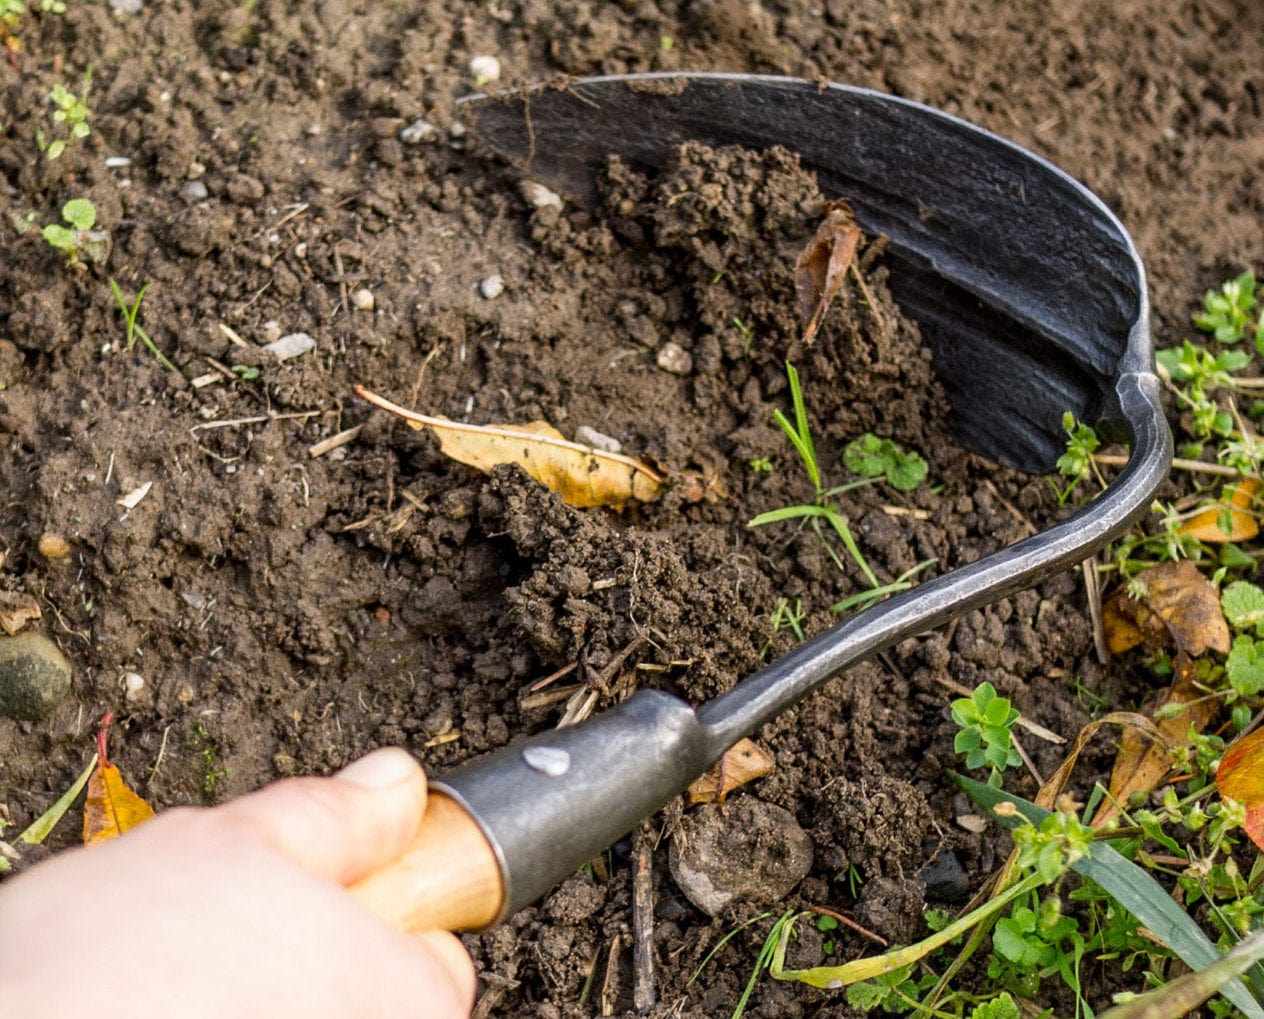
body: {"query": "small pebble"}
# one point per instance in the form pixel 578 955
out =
pixel 194 191
pixel 492 287
pixel 363 299
pixel 126 6
pixel 457 130
pixel 117 162
pixel 195 170
pixel 53 546
pixel 485 69
pixel 133 684
pixel 290 346
pixel 418 131
pixel 591 437
pixel 672 357
pixel 538 196
pixel 34 676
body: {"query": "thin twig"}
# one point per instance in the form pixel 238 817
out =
pixel 1028 527
pixel 1196 466
pixel 877 939
pixel 257 420
pixel 610 985
pixel 643 990
pixel 1093 590
pixel 1022 752
pixel 334 441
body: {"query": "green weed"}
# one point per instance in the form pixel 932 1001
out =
pixel 885 460
pixel 71 112
pixel 986 731
pixel 132 330
pixel 69 237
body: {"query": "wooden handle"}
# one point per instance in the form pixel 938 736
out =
pixel 447 879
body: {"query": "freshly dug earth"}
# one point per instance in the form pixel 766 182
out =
pixel 288 612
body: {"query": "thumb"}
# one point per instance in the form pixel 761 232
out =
pixel 343 827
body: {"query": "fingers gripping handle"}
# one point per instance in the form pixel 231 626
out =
pixel 447 879
pixel 501 831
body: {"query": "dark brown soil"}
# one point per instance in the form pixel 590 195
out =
pixel 289 612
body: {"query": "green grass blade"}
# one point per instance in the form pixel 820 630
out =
pixel 1184 994
pixel 1132 888
pixel 806 449
pixel 787 513
pixel 43 826
pixel 843 530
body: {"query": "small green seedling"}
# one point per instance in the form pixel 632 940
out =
pixel 1226 312
pixel 80 215
pixel 760 464
pixel 987 724
pixel 133 331
pixel 71 111
pixel 883 459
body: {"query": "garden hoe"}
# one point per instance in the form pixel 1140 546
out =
pixel 1033 301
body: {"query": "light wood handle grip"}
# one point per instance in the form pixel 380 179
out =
pixel 447 879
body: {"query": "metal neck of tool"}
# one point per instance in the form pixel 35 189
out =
pixel 763 695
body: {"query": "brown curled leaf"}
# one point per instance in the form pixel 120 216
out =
pixel 743 762
pixel 581 475
pixel 822 265
pixel 1180 609
pixel 1143 762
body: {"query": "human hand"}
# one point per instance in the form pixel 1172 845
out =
pixel 235 911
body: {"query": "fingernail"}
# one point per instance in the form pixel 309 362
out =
pixel 381 769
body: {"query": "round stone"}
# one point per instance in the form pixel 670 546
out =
pixel 743 850
pixel 34 676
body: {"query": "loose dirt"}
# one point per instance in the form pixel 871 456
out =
pixel 288 612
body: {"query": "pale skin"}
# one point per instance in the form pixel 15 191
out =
pixel 238 910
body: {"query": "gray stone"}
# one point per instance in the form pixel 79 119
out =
pixel 744 850
pixel 34 676
pixel 290 346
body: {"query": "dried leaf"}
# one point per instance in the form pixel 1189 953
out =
pixel 581 475
pixel 1180 609
pixel 1142 762
pixel 16 610
pixel 111 807
pixel 822 265
pixel 743 762
pixel 1241 777
pixel 1236 507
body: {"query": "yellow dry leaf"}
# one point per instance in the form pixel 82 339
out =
pixel 1181 608
pixel 1238 501
pixel 743 762
pixel 822 265
pixel 111 807
pixel 581 475
pixel 1142 763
